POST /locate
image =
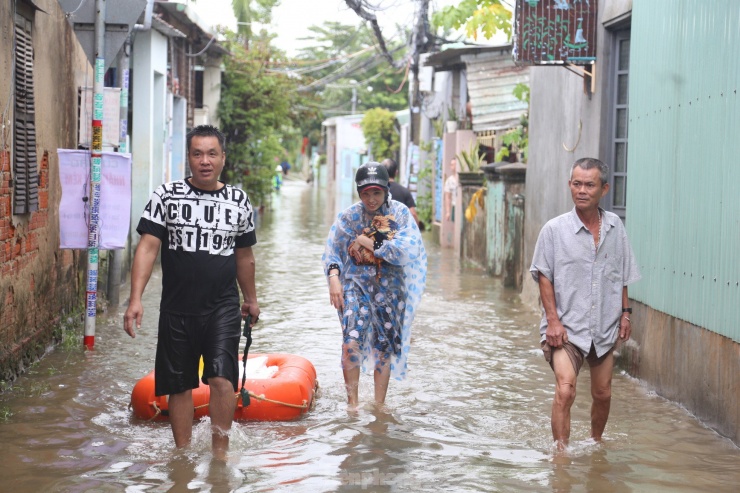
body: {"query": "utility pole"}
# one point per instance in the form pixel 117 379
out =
pixel 101 30
pixel 96 162
pixel 419 44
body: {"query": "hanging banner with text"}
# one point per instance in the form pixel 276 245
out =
pixel 115 199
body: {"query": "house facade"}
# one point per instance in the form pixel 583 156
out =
pixel 345 152
pixel 469 106
pixel 41 67
pixel 176 85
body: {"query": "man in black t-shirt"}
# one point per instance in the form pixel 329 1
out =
pixel 398 191
pixel 205 229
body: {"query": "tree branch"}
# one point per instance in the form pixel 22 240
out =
pixel 357 6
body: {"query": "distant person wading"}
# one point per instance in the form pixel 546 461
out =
pixel 399 192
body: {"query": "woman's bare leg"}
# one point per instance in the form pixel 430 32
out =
pixel 351 370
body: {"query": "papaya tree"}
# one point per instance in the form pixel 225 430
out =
pixel 485 16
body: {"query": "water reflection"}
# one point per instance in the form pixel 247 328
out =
pixel 472 416
pixel 588 471
pixel 374 455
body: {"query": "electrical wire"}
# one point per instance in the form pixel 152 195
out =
pixel 403 82
pixel 371 62
pixel 360 83
pixel 329 63
pixel 71 14
pixel 301 61
pixel 378 8
pixel 348 69
pixel 203 50
pixel 345 69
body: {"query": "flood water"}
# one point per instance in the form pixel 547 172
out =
pixel 473 415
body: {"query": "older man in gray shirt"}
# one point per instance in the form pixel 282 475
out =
pixel 583 263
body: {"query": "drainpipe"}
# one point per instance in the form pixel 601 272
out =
pixel 116 256
pixel 147 17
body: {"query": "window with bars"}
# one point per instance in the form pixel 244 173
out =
pixel 619 123
pixel 25 164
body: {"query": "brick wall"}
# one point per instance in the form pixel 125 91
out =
pixel 39 283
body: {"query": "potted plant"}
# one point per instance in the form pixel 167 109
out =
pixel 470 162
pixel 516 140
pixel 438 126
pixel 451 124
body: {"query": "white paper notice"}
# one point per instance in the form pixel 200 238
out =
pixel 115 199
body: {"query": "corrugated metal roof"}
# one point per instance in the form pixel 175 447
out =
pixel 450 56
pixel 187 16
pixel 334 120
pixel 492 77
pixel 166 29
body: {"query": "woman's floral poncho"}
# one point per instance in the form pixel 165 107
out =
pixel 379 301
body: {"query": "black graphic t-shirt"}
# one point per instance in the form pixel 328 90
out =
pixel 199 230
pixel 401 194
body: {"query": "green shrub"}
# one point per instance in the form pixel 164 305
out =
pixel 379 127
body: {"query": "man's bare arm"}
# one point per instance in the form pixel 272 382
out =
pixel 555 334
pixel 144 258
pixel 245 269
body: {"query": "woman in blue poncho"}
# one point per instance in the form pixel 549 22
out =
pixel 376 266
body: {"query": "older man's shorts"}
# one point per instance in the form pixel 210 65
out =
pixel 575 355
pixel 182 340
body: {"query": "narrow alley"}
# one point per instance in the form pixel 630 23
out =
pixel 472 416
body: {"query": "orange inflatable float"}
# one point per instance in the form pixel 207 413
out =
pixel 282 389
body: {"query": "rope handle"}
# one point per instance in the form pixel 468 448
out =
pixel 243 393
pixel 304 405
pixel 272 401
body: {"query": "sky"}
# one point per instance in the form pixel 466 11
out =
pixel 292 18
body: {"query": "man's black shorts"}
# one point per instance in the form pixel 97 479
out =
pixel 183 340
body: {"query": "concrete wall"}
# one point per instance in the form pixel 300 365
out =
pixel 40 284
pixel 350 146
pixel 504 218
pixel 212 89
pixel 149 131
pixel 178 152
pixel 496 220
pixel 684 232
pixel 514 175
pixel 679 360
pixel 565 124
pixel 450 232
pixel 327 172
pixel 474 233
pixel 687 364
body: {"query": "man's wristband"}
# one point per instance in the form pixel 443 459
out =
pixel 626 310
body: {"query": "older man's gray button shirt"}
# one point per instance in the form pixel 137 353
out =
pixel 588 281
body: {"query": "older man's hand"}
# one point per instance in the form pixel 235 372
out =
pixel 556 334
